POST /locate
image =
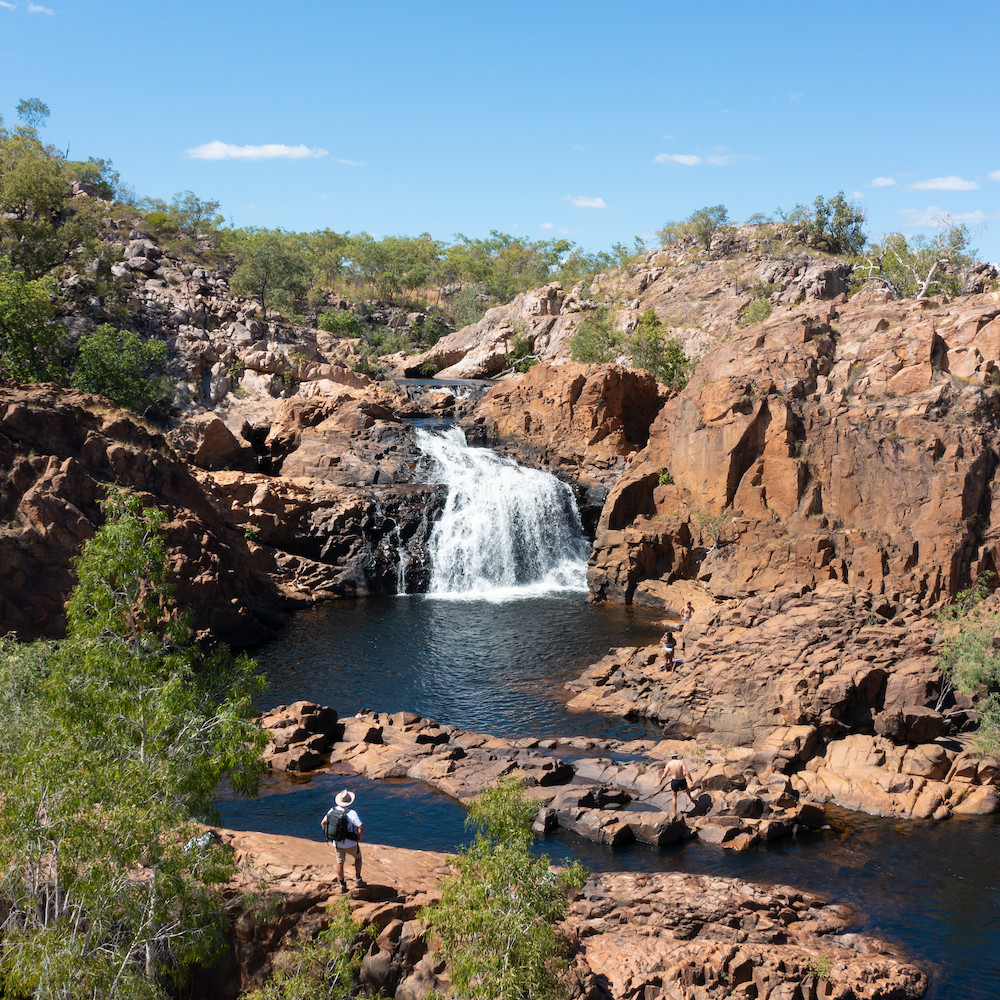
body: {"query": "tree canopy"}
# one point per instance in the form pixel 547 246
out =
pixel 125 730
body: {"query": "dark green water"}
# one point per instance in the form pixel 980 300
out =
pixel 933 889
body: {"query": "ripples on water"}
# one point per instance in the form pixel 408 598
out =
pixel 499 668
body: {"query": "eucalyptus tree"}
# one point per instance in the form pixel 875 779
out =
pixel 110 885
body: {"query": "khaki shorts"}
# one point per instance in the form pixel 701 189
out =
pixel 354 850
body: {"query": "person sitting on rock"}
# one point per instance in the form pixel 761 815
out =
pixel 346 839
pixel 675 771
pixel 669 644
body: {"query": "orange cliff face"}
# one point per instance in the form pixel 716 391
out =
pixel 853 442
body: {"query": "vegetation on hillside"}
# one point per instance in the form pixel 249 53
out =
pixel 57 251
pixel 114 743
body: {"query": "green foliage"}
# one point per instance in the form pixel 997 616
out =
pixel 324 969
pixel 664 478
pixel 754 312
pixel 125 730
pixel 271 267
pixel 819 966
pixel 120 365
pixel 702 225
pixel 917 267
pixel 519 356
pixel 497 915
pixel 28 336
pixel 341 323
pixel 969 657
pixel 596 341
pixel 837 224
pixel 662 356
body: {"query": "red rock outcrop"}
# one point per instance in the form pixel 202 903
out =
pixel 684 937
pixel 835 689
pixel 578 421
pixel 855 443
pixel 59 451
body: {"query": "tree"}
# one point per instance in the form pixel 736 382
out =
pixel 969 659
pixel 497 915
pixel 702 225
pixel 837 224
pixel 917 267
pixel 120 365
pixel 596 341
pixel 28 334
pixel 110 886
pixel 270 266
pixel 662 356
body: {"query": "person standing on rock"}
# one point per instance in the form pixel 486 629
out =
pixel 669 644
pixel 675 771
pixel 343 826
pixel 686 612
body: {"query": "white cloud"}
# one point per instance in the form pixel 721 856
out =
pixel 949 183
pixel 324 197
pixel 797 96
pixel 685 159
pixel 347 163
pixel 577 148
pixel 856 194
pixel 545 225
pixel 8 6
pixel 720 158
pixel 582 201
pixel 934 216
pixel 35 8
pixel 994 175
pixel 883 182
pixel 271 151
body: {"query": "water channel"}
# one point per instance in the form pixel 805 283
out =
pixel 494 658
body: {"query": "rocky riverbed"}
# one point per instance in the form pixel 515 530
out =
pixel 683 937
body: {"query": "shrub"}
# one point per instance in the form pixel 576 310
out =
pixel 596 341
pixel 662 356
pixel 121 366
pixel 341 323
pixel 754 312
pixel 497 916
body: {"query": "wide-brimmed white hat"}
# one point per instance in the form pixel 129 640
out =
pixel 344 798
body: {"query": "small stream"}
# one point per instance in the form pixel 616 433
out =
pixel 492 655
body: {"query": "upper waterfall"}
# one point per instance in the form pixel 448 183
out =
pixel 506 531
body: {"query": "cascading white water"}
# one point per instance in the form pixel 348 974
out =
pixel 506 531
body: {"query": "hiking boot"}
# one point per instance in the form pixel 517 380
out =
pixel 343 886
pixel 359 883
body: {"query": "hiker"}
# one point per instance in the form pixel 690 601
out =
pixel 669 644
pixel 343 826
pixel 675 770
pixel 686 612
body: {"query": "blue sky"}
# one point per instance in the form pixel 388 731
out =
pixel 588 120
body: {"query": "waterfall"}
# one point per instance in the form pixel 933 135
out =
pixel 506 531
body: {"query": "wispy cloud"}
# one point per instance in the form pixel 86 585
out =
pixel 346 163
pixel 271 151
pixel 934 216
pixel 994 175
pixel 797 96
pixel 949 183
pixel 716 159
pixel 856 194
pixel 883 182
pixel 7 6
pixel 35 8
pixel 545 225
pixel 582 201
pixel 685 159
pixel 578 148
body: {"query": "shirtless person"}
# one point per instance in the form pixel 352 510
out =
pixel 676 771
